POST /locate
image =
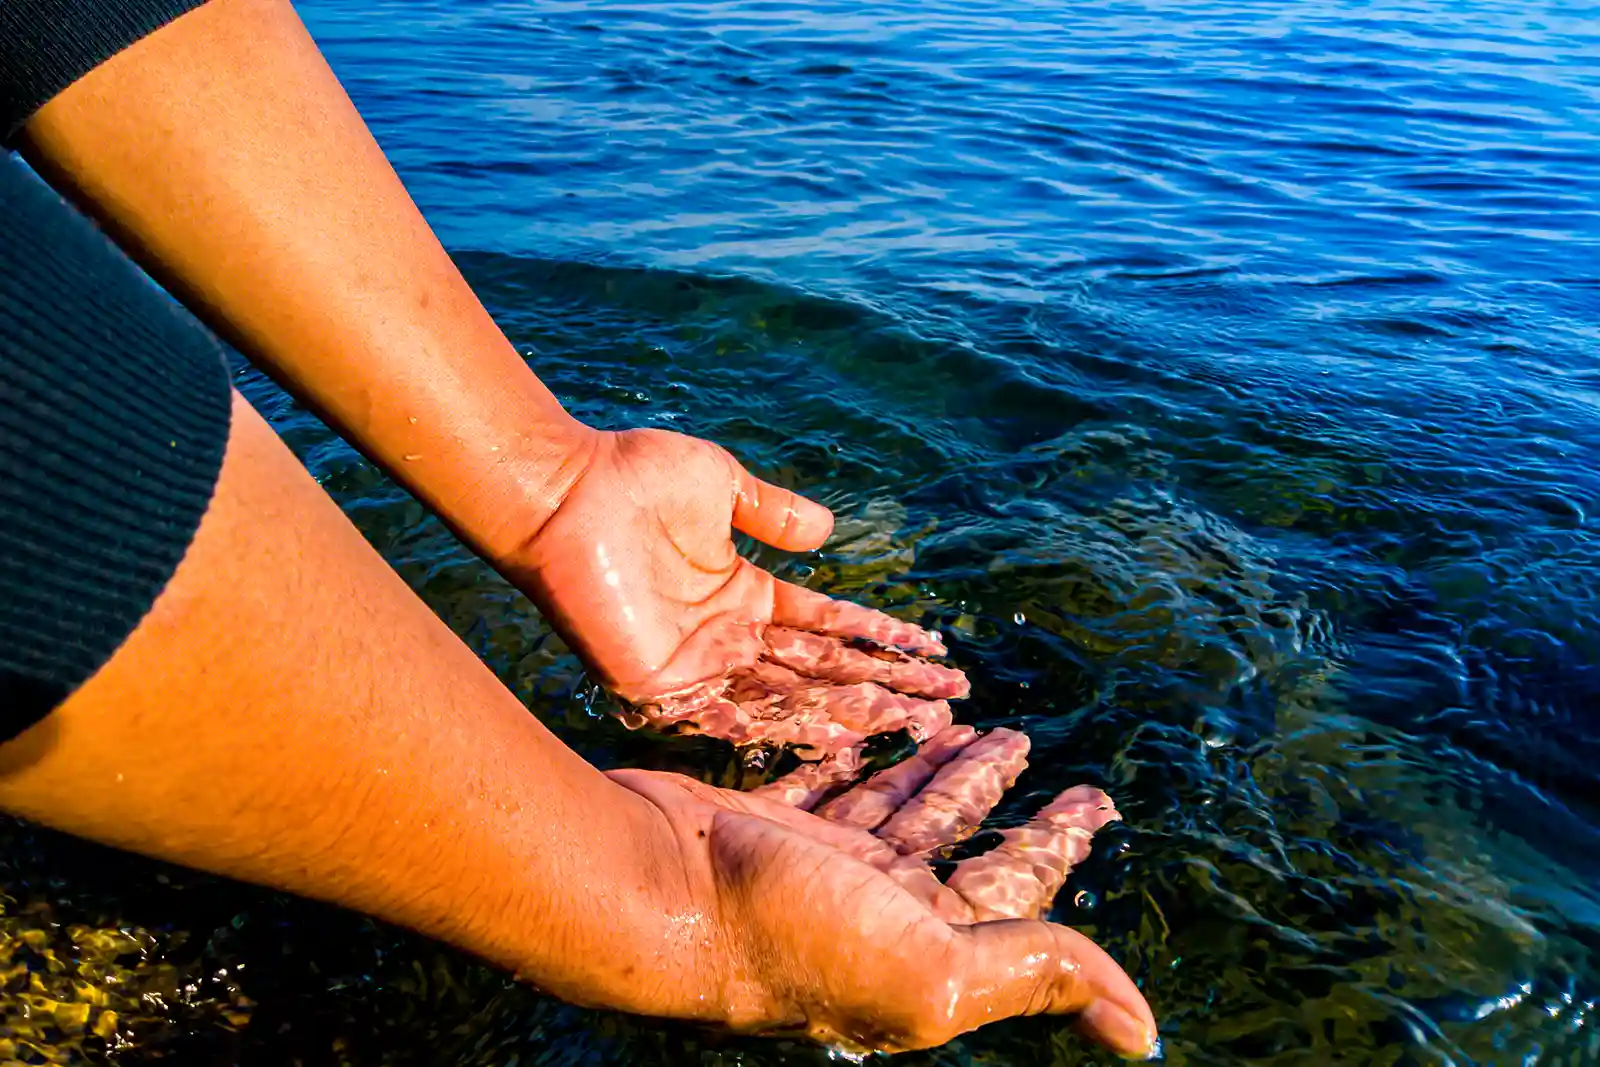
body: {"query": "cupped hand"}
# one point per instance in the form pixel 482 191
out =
pixel 832 923
pixel 637 570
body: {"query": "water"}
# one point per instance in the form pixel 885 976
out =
pixel 1219 376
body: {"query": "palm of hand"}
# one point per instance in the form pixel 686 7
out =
pixel 638 572
pixel 863 945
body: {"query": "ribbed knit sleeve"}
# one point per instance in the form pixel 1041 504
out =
pixel 114 407
pixel 46 45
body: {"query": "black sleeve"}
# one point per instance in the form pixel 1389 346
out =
pixel 46 45
pixel 114 408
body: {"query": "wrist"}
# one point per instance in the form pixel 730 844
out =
pixel 624 920
pixel 712 971
pixel 518 484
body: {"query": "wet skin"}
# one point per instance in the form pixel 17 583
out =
pixel 858 862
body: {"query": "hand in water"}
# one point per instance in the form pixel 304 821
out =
pixel 833 924
pixel 637 571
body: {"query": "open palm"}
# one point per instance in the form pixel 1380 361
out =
pixel 638 572
pixel 858 942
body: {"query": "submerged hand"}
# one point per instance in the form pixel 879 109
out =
pixel 637 570
pixel 833 924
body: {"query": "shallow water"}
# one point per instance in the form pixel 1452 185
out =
pixel 1219 377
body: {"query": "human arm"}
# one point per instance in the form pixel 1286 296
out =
pixel 219 671
pixel 223 154
pixel 289 714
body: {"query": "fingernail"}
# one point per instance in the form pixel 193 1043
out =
pixel 1122 1030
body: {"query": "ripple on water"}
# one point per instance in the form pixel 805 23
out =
pixel 1219 378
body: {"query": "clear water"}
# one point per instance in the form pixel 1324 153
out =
pixel 1220 376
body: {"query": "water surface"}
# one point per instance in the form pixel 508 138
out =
pixel 1219 376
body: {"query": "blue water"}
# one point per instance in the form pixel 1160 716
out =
pixel 1221 376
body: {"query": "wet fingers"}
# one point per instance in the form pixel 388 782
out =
pixel 749 710
pixel 771 691
pixel 808 783
pixel 772 705
pixel 803 609
pixel 1020 877
pixel 829 659
pixel 870 804
pixel 960 796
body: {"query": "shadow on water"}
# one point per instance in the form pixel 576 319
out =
pixel 1344 712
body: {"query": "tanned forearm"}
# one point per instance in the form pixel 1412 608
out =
pixel 225 157
pixel 288 713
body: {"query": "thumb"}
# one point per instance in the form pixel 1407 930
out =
pixel 1022 967
pixel 776 516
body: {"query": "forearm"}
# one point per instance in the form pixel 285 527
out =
pixel 224 155
pixel 288 713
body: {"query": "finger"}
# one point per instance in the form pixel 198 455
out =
pixel 1020 877
pixel 743 712
pixel 830 659
pixel 1019 967
pixel 808 783
pixel 870 804
pixel 814 736
pixel 870 709
pixel 779 707
pixel 755 706
pixel 960 797
pixel 865 708
pixel 777 516
pixel 805 609
pixel 912 874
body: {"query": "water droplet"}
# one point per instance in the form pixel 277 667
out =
pixel 1019 618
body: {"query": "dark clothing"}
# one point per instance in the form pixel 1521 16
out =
pixel 114 402
pixel 46 45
